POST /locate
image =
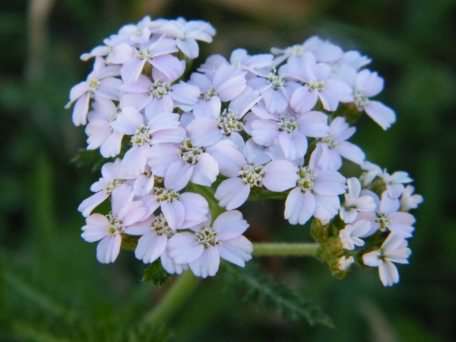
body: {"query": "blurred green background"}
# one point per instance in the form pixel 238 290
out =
pixel 52 289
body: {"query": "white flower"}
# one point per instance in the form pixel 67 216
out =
pixel 288 131
pixel 389 218
pixel 112 175
pixel 319 84
pixel 355 201
pixel 225 84
pixel 351 236
pixel 394 250
pixel 395 182
pixel 157 96
pixel 158 54
pixel 101 83
pixel 181 210
pixel 410 200
pixel 204 248
pixel 368 84
pixel 331 148
pixel 108 229
pixel 155 234
pixel 187 33
pixel 316 194
pixel 277 176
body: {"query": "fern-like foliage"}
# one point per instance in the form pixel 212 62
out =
pixel 270 294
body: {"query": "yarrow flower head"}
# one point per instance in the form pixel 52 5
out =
pixel 184 154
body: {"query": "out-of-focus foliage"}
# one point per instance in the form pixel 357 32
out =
pixel 52 289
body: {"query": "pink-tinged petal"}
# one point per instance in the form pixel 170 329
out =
pixel 135 159
pixel 156 106
pixel 138 101
pixel 275 101
pixel 170 266
pixel 150 247
pixel 96 228
pixel 188 47
pixel 287 146
pixel 196 209
pixel 139 229
pixel 207 264
pixel 204 131
pixel 128 121
pixel 163 120
pixel 232 193
pixel 353 187
pixel 372 259
pixel 339 90
pixel 80 110
pixel 120 198
pixel 388 273
pixel 178 175
pixel 325 158
pixel 381 114
pixel 120 54
pixel 183 248
pixel 229 159
pixel 169 136
pixel 313 124
pixel 280 175
pixel 299 206
pixel 244 102
pixel 108 249
pixel 303 99
pixel 185 95
pixel 97 132
pixel 161 156
pixel 89 204
pixel 141 86
pixel 329 183
pixel 206 170
pixel 230 225
pixel 131 70
pixel 229 82
pixel 78 90
pixel 327 207
pixel 208 108
pixel 174 213
pixel 112 146
pixel 351 152
pixel 133 213
pixel 167 68
pixel 369 83
pixel 237 251
pixel 109 88
pixel 263 132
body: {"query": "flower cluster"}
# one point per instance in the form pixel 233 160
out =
pixel 184 153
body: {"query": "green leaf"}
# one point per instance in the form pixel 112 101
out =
pixel 155 274
pixel 271 294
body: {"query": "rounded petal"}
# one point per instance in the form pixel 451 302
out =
pixel 232 193
pixel 299 206
pixel 108 249
pixel 150 247
pixel 230 225
pixel 207 264
pixel 280 175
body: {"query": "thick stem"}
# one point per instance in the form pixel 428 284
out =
pixel 285 249
pixel 173 300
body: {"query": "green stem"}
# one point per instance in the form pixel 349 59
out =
pixel 285 249
pixel 173 300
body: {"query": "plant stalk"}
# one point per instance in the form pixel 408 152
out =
pixel 285 249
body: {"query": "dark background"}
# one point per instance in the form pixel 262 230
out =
pixel 51 287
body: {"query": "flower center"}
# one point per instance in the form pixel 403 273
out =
pixel 112 185
pixel 252 175
pixel 160 226
pixel 210 93
pixel 360 100
pixel 207 237
pixel 159 89
pixel 165 195
pixel 144 54
pixel 383 222
pixel 329 141
pixel 142 136
pixel 190 153
pixel 305 180
pixel 276 80
pixel 316 85
pixel 288 125
pixel 228 123
pixel 115 225
pixel 94 83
